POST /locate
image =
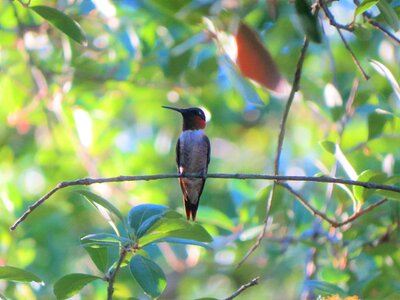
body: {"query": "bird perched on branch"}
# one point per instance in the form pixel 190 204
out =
pixel 192 156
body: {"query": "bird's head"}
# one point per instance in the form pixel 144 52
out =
pixel 193 117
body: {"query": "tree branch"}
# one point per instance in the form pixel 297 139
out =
pixel 254 281
pixel 386 32
pixel 111 279
pixel 368 17
pixel 295 88
pixel 90 181
pixel 323 216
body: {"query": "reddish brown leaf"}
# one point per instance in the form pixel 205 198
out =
pixel 255 62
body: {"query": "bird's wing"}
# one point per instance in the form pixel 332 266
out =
pixel 177 150
pixel 208 149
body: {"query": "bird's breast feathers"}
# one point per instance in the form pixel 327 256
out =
pixel 193 151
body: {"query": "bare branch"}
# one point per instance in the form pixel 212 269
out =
pixel 369 18
pixel 295 88
pixel 254 281
pixel 386 32
pixel 89 181
pixel 320 214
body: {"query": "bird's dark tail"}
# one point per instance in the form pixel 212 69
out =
pixel 190 208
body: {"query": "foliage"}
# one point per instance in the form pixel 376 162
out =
pixel 81 89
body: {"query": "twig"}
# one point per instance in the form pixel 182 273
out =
pixel 254 281
pixel 323 216
pixel 89 181
pixel 111 279
pixel 386 32
pixel 331 18
pixel 295 88
pixel 338 27
pixel 369 18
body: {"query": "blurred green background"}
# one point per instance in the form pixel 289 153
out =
pixel 69 111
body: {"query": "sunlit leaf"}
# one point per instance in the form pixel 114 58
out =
pixel 17 274
pixel 364 6
pixel 255 62
pixel 333 275
pixel 148 275
pixel 63 22
pixel 71 284
pixel 308 21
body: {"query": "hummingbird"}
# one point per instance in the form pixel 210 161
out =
pixel 192 156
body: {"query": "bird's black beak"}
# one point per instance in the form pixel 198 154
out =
pixel 181 110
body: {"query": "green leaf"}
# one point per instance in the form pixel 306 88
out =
pixel 308 21
pixel 105 237
pixel 71 284
pixel 148 275
pixel 365 5
pixel 63 22
pixel 376 124
pixel 324 288
pixel 389 14
pixel 359 191
pixel 333 275
pixel 17 274
pixel 169 226
pixel 184 242
pixel 146 225
pixel 99 256
pixel 139 214
pixel 328 146
pixel 93 198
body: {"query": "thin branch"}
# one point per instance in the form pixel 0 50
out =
pixel 331 18
pixel 90 181
pixel 386 32
pixel 323 216
pixel 338 27
pixel 111 279
pixel 254 281
pixel 295 88
pixel 369 18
